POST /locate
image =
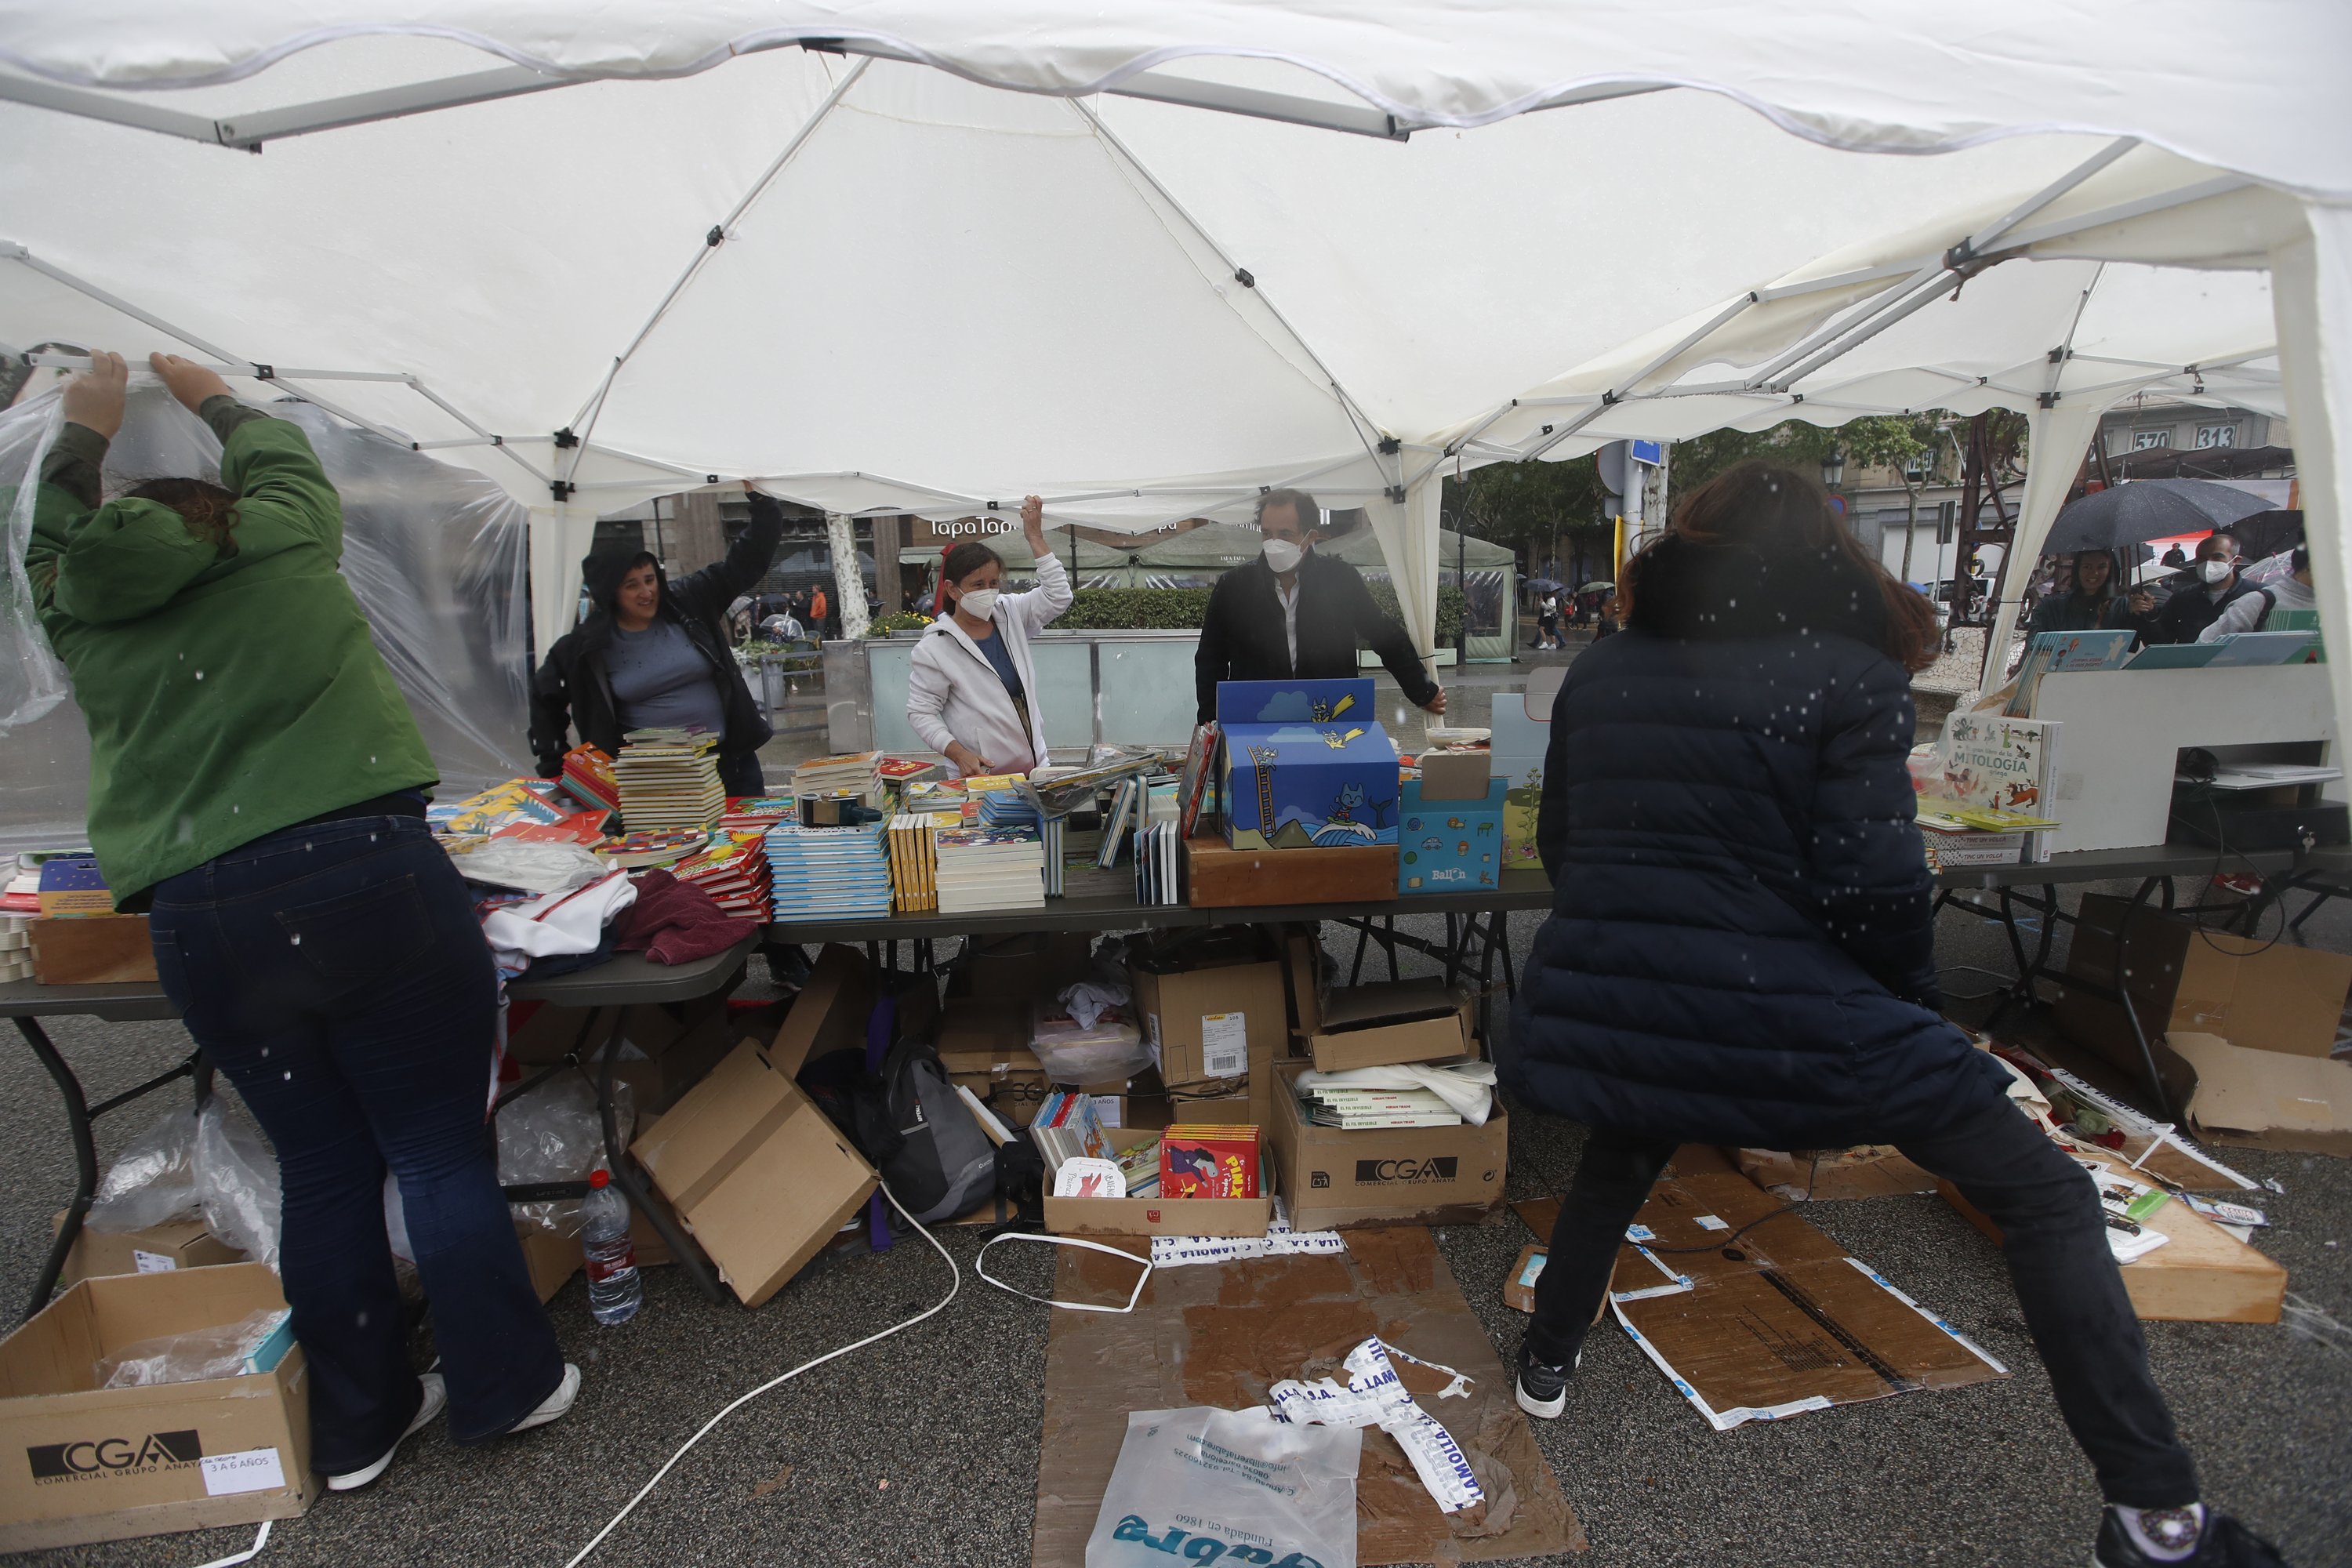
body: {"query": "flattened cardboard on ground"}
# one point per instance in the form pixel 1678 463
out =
pixel 1864 1170
pixel 1393 1022
pixel 1388 1176
pixel 93 949
pixel 2201 1274
pixel 156 1249
pixel 2262 996
pixel 758 1174
pixel 1520 1284
pixel 1780 1322
pixel 1224 1334
pixel 1164 1216
pixel 2268 1098
pixel 109 1464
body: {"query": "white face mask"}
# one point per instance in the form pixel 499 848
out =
pixel 1283 555
pixel 980 602
pixel 2213 570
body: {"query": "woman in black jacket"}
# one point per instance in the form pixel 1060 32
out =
pixel 2090 603
pixel 655 654
pixel 1741 952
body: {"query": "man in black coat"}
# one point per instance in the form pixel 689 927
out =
pixel 1293 614
pixel 2211 585
pixel 575 686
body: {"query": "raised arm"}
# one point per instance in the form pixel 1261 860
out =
pixel 720 583
pixel 1042 605
pixel 267 462
pixel 1870 876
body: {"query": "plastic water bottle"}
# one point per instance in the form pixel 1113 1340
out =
pixel 615 1291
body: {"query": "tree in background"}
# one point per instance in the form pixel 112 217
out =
pixel 1550 513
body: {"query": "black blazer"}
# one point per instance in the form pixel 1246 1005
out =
pixel 1242 636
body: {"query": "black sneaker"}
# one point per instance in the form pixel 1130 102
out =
pixel 2226 1543
pixel 1543 1388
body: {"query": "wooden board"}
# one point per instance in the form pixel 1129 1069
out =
pixel 93 949
pixel 1223 1335
pixel 1217 877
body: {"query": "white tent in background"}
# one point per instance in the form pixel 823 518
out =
pixel 1189 255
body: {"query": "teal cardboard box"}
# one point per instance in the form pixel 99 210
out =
pixel 1304 763
pixel 1450 846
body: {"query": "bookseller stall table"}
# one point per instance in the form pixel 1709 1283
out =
pixel 625 982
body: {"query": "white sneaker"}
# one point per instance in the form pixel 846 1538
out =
pixel 554 1406
pixel 437 1400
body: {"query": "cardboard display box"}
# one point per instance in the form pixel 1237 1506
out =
pixel 93 949
pixel 758 1174
pixel 1393 1022
pixel 157 1249
pixel 1304 764
pixel 1386 1176
pixel 2201 1274
pixel 1446 843
pixel 1218 877
pixel 2261 996
pixel 1214 1016
pixel 1164 1216
pixel 91 1464
pixel 1865 1171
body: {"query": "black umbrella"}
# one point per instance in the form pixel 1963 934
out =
pixel 2148 508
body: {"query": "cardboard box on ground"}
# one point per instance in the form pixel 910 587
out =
pixel 2241 1030
pixel 1388 1176
pixel 1216 1010
pixel 109 1464
pixel 152 1249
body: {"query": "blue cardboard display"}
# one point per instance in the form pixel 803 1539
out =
pixel 1304 764
pixel 1450 846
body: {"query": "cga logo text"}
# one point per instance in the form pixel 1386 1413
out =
pixel 1440 1168
pixel 95 1457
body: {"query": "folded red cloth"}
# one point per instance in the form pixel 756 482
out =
pixel 676 922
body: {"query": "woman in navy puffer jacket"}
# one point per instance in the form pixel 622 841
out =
pixel 1741 951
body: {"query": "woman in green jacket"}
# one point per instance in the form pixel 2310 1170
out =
pixel 256 785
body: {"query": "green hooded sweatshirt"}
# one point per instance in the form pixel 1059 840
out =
pixel 229 686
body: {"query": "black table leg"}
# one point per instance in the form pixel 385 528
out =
pixel 2123 993
pixel 85 1160
pixel 626 1179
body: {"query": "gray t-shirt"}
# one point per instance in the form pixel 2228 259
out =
pixel 662 681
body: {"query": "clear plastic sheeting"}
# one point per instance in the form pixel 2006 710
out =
pixel 225 1350
pixel 554 1134
pixel 152 1181
pixel 438 558
pixel 236 1182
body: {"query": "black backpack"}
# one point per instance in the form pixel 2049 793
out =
pixel 906 1119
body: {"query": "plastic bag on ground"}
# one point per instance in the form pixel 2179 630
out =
pixel 152 1181
pixel 236 1182
pixel 219 1352
pixel 554 1134
pixel 1202 1485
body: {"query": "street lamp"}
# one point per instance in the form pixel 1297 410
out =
pixel 1832 469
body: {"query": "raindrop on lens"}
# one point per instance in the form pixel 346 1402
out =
pixel 296 939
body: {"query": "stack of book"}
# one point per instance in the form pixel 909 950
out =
pixel 828 871
pixel 1015 806
pixel 588 778
pixel 668 778
pixel 666 846
pixel 914 857
pixel 853 774
pixel 983 868
pixel 756 812
pixel 15 947
pixel 1328 1106
pixel 1067 1126
pixel 1159 843
pixel 734 869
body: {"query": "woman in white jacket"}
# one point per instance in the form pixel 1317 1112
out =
pixel 971 688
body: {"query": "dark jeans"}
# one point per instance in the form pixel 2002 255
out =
pixel 336 973
pixel 2055 1241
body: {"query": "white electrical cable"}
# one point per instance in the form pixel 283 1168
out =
pixel 248 1556
pixel 1133 1297
pixel 646 1490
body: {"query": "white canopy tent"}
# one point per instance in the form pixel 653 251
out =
pixel 1187 257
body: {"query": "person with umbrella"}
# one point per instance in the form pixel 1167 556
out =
pixel 2091 605
pixel 2201 601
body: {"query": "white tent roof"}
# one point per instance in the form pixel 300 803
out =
pixel 872 285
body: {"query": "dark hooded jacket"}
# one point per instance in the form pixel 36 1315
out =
pixel 1741 946
pixel 572 687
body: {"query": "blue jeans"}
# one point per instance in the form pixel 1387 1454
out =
pixel 336 973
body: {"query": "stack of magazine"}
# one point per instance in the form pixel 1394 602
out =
pixel 1327 1105
pixel 1159 843
pixel 914 857
pixel 829 871
pixel 668 779
pixel 982 868
pixel 734 869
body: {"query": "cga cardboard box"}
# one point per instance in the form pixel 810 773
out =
pixel 758 1174
pixel 1163 1217
pixel 155 1250
pixel 1393 1022
pixel 2262 996
pixel 1302 764
pixel 92 1463
pixel 1386 1176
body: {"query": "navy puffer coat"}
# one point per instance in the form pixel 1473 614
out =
pixel 1740 949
